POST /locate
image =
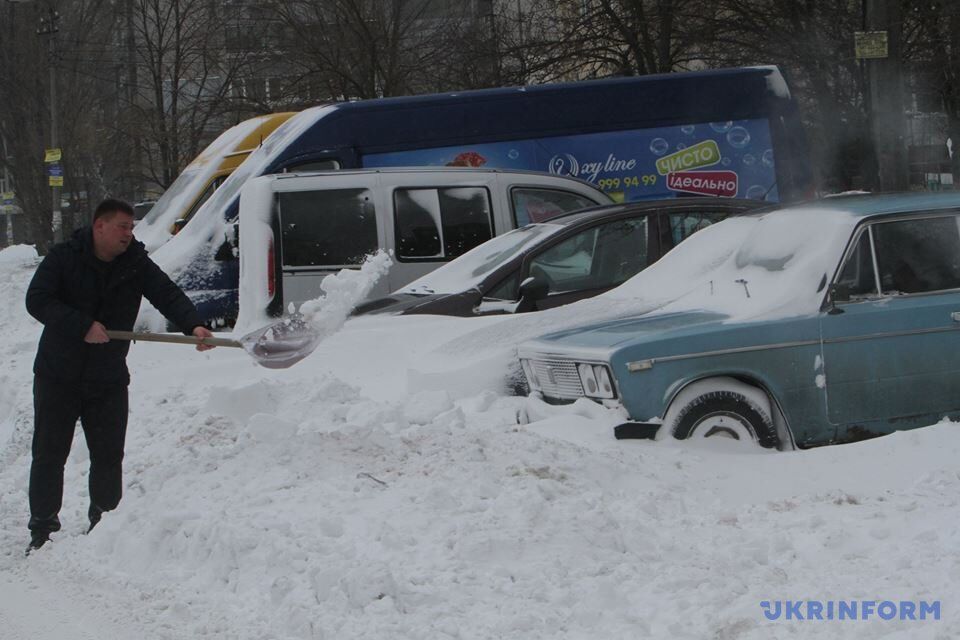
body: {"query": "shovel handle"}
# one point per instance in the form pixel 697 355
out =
pixel 135 336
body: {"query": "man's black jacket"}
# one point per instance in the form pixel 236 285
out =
pixel 72 288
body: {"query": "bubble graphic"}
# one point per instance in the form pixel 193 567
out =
pixel 756 192
pixel 767 158
pixel 748 159
pixel 688 129
pixel 738 137
pixel 513 154
pixel 725 162
pixel 721 127
pixel 659 146
pixel 681 146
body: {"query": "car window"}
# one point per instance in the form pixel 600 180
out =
pixel 507 289
pixel 684 224
pixel 536 205
pixel 441 223
pixel 327 227
pixel 602 256
pixel 857 274
pixel 919 255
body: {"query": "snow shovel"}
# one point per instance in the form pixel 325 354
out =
pixel 276 346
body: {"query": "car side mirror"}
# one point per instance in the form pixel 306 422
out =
pixel 532 290
pixel 225 250
pixel 838 293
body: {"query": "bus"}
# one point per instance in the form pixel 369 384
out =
pixel 197 182
pixel 723 133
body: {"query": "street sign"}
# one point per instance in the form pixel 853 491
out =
pixel 54 169
pixel 6 197
pixel 870 44
pixel 56 181
pixel 52 155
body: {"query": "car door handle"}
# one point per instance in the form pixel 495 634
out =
pixel 955 316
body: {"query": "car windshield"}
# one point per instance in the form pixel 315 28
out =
pixel 772 264
pixel 469 269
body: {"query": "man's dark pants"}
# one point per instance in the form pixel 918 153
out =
pixel 102 412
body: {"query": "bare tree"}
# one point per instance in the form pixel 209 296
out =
pixel 185 76
pixel 373 48
pixel 936 52
pixel 813 43
pixel 546 40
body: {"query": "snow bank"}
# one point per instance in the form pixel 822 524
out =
pixel 18 254
pixel 350 496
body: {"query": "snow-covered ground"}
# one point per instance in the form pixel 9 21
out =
pixel 386 487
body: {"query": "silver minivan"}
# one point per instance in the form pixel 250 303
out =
pixel 297 228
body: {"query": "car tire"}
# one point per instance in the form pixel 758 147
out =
pixel 725 413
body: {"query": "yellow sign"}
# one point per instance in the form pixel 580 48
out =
pixel 52 155
pixel 7 195
pixel 870 44
pixel 702 154
pixel 56 181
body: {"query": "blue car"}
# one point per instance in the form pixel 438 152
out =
pixel 809 325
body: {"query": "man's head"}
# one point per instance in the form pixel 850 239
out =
pixel 112 228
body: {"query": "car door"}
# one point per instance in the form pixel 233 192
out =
pixel 593 259
pixel 891 349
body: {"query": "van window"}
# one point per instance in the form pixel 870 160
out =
pixel 317 165
pixel 213 186
pixel 537 205
pixel 441 223
pixel 335 227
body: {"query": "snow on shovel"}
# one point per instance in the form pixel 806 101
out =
pixel 287 342
pixel 276 346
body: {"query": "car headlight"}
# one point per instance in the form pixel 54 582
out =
pixel 595 380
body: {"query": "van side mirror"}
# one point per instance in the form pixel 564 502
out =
pixel 532 290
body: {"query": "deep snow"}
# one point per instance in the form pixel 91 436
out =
pixel 385 487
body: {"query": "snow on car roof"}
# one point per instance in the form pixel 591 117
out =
pixel 774 264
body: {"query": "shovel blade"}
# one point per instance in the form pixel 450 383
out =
pixel 281 344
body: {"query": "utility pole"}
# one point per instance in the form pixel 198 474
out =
pixel 882 26
pixel 49 26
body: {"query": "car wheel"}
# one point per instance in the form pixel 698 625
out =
pixel 722 408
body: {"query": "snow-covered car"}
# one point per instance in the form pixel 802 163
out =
pixel 546 265
pixel 816 324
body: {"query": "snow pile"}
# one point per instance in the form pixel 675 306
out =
pixel 18 254
pixel 349 497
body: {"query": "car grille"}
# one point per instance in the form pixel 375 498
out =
pixel 557 378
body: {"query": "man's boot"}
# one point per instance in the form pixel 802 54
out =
pixel 37 540
pixel 94 513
